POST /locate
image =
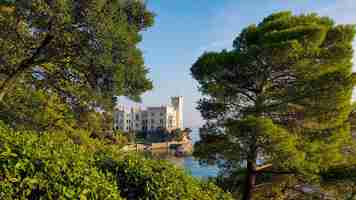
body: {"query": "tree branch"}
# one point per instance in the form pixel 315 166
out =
pixel 24 65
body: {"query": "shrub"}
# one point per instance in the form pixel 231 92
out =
pixel 75 166
pixel 150 179
pixel 50 166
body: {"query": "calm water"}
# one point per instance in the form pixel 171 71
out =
pixel 188 162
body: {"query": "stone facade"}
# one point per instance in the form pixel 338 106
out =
pixel 169 117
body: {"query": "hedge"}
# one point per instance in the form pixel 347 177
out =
pixel 74 166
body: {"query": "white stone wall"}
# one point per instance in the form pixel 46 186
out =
pixel 156 117
pixel 168 117
pixel 177 103
pixel 171 118
pixel 136 119
pixel 122 119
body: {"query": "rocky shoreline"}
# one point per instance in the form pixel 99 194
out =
pixel 185 146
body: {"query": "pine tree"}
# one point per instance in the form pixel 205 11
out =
pixel 282 97
pixel 84 51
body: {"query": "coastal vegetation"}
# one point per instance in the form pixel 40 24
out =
pixel 78 55
pixel 62 65
pixel 278 105
pixel 62 165
pixel 280 121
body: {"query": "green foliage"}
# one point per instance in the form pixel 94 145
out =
pixel 158 135
pixel 121 137
pixel 61 64
pixel 29 109
pixel 50 166
pixel 61 165
pixel 281 96
pixel 177 135
pixel 341 189
pixel 82 52
pixel 131 136
pixel 162 135
pixel 7 2
pixel 151 179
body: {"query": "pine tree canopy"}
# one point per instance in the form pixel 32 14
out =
pixel 84 44
pixel 84 52
pixel 281 96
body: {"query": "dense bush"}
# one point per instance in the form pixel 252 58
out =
pixel 75 166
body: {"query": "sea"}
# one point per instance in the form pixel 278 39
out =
pixel 188 162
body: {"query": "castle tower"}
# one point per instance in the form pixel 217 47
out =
pixel 177 103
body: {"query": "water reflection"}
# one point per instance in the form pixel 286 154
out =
pixel 187 162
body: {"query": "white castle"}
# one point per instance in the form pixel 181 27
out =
pixel 169 117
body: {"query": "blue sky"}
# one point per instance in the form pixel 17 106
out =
pixel 184 29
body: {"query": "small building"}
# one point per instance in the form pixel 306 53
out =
pixel 169 117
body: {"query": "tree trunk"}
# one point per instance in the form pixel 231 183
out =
pixel 250 181
pixel 10 81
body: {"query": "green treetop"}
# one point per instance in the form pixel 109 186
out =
pixel 83 51
pixel 282 96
